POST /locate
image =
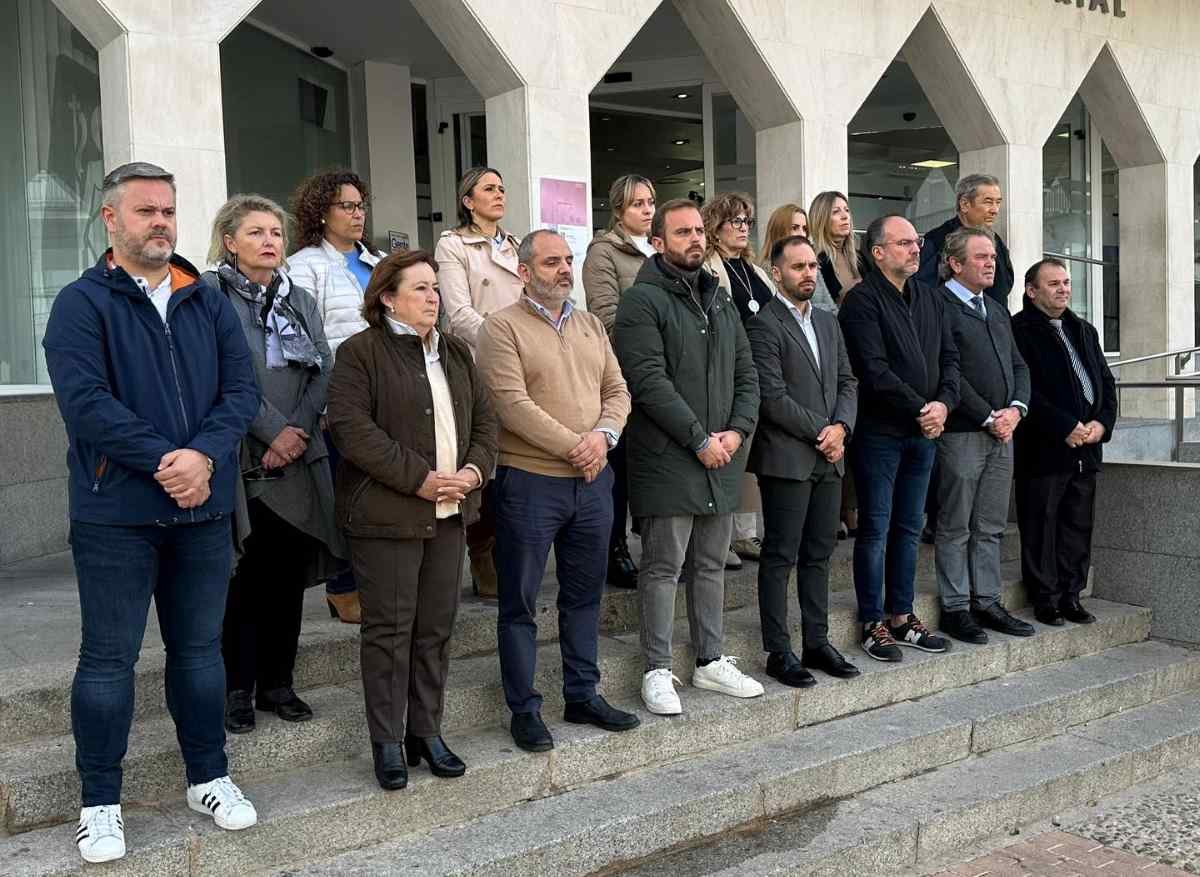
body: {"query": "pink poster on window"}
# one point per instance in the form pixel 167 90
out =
pixel 564 202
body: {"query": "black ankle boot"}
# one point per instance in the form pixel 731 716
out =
pixel 389 765
pixel 442 762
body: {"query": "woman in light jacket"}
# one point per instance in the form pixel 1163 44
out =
pixel 334 260
pixel 614 258
pixel 477 273
pixel 293 541
pixel 728 221
pixel 418 439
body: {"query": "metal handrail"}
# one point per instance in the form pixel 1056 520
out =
pixel 1179 383
pixel 1187 351
pixel 1086 260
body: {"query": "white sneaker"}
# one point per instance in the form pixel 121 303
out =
pixel 723 675
pixel 224 802
pixel 658 693
pixel 101 834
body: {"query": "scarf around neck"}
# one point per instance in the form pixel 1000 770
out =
pixel 288 341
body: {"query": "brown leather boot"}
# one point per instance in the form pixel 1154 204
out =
pixel 345 607
pixel 483 574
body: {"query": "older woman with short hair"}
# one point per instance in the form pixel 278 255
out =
pixel 418 440
pixel 292 542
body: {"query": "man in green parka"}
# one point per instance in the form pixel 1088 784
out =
pixel 687 363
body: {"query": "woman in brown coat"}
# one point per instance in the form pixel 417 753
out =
pixel 613 261
pixel 418 439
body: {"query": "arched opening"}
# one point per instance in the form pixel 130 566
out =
pixel 51 166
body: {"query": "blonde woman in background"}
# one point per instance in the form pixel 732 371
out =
pixel 614 258
pixel 788 220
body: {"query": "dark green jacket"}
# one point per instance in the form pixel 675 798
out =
pixel 690 375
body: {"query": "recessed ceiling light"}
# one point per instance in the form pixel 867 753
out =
pixel 610 149
pixel 606 118
pixel 683 95
pixel 1065 135
pixel 682 141
pixel 934 163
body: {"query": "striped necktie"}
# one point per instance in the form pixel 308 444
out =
pixel 1085 382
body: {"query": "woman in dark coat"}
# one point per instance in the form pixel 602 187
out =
pixel 418 440
pixel 286 530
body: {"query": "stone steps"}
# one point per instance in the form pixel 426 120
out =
pixel 1009 690
pixel 890 787
pixel 39 784
pixel 35 701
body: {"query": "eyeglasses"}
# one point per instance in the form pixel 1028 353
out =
pixel 258 473
pixel 353 207
pixel 742 222
pixel 909 243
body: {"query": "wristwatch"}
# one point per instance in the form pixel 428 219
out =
pixel 211 465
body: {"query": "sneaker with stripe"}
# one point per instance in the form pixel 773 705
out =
pixel 916 635
pixel 879 643
pixel 224 802
pixel 101 833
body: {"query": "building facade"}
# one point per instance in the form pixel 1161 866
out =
pixel 1084 109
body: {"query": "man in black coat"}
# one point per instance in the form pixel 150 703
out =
pixel 978 200
pixel 975 455
pixel 899 336
pixel 1072 412
pixel 809 401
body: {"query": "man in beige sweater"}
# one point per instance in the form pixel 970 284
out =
pixel 562 404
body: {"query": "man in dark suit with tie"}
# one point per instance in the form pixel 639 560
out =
pixel 975 453
pixel 809 402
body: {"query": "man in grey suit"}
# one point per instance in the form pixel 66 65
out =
pixel 975 453
pixel 809 401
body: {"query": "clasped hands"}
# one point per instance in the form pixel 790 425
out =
pixel 720 449
pixel 1004 423
pixel 932 419
pixel 453 487
pixel 184 475
pixel 831 442
pixel 590 456
pixel 1090 433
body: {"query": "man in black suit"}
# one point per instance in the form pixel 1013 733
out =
pixel 975 454
pixel 809 402
pixel 1071 413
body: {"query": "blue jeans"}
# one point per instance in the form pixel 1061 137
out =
pixel 533 513
pixel 892 476
pixel 186 570
pixel 343 582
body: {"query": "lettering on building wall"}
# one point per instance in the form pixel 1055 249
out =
pixel 1116 8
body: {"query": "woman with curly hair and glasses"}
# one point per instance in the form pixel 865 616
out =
pixel 334 260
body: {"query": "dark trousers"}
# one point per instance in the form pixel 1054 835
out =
pixel 800 523
pixel 892 476
pixel 266 604
pixel 533 513
pixel 409 590
pixel 1055 514
pixel 118 569
pixel 620 494
pixel 343 582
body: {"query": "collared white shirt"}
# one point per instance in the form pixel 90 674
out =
pixel 805 320
pixel 160 296
pixel 444 427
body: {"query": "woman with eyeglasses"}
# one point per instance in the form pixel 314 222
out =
pixel 292 541
pixel 419 437
pixel 728 223
pixel 614 258
pixel 477 271
pixel 334 260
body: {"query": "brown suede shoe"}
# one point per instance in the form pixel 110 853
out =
pixel 345 607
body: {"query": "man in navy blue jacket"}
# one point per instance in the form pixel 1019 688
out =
pixel 156 387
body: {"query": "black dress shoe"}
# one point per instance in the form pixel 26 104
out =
pixel 786 668
pixel 239 714
pixel 622 571
pixel 1049 615
pixel 1073 610
pixel 959 624
pixel 284 703
pixel 600 713
pixel 530 733
pixel 829 660
pixel 389 765
pixel 442 762
pixel 996 617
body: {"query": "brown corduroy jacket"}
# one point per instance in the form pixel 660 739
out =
pixel 380 412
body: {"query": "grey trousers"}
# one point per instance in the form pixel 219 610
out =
pixel 974 480
pixel 664 546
